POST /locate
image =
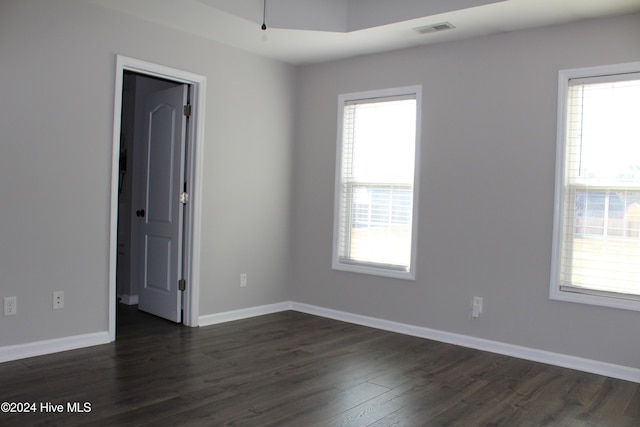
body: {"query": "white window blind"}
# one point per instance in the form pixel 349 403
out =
pixel 599 241
pixel 374 225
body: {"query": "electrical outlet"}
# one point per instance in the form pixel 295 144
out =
pixel 243 280
pixel 476 307
pixel 58 300
pixel 10 306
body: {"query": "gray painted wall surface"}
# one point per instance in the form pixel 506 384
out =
pixel 486 191
pixel 57 89
pixel 486 195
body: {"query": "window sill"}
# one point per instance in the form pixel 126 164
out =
pixel 374 271
pixel 602 301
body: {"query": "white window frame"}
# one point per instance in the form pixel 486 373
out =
pixel 366 268
pixel 555 291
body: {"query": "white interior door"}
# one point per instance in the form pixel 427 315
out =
pixel 161 216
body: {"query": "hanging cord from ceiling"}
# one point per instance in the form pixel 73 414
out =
pixel 264 16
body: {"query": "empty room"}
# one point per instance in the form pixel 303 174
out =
pixel 320 212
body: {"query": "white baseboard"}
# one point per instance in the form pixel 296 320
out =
pixel 38 348
pixel 627 373
pixel 563 360
pixel 129 299
pixel 245 313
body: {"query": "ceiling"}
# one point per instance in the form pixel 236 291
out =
pixel 311 31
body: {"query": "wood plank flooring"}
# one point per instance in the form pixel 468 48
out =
pixel 294 369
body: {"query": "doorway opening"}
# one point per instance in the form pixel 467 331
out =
pixel 155 195
pixel 153 147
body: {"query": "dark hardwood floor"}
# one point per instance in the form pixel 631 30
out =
pixel 294 369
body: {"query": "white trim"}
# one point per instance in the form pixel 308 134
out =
pixel 555 293
pixel 192 304
pixel 372 95
pixel 38 348
pixel 192 270
pixel 557 359
pixel 602 70
pixel 129 299
pixel 571 362
pixel 243 313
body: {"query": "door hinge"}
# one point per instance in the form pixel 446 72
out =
pixel 182 285
pixel 187 110
pixel 184 197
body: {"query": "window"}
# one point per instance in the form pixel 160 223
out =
pixel 597 216
pixel 376 175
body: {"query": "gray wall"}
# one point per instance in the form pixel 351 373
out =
pixel 57 79
pixel 486 191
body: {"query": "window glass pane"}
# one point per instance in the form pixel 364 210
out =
pixel 384 141
pixel 381 229
pixel 606 130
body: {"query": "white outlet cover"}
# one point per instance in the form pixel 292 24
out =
pixel 10 306
pixel 58 300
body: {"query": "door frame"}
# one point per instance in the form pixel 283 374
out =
pixel 194 171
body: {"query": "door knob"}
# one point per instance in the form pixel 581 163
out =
pixel 140 213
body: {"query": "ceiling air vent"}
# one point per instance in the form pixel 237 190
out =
pixel 434 28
